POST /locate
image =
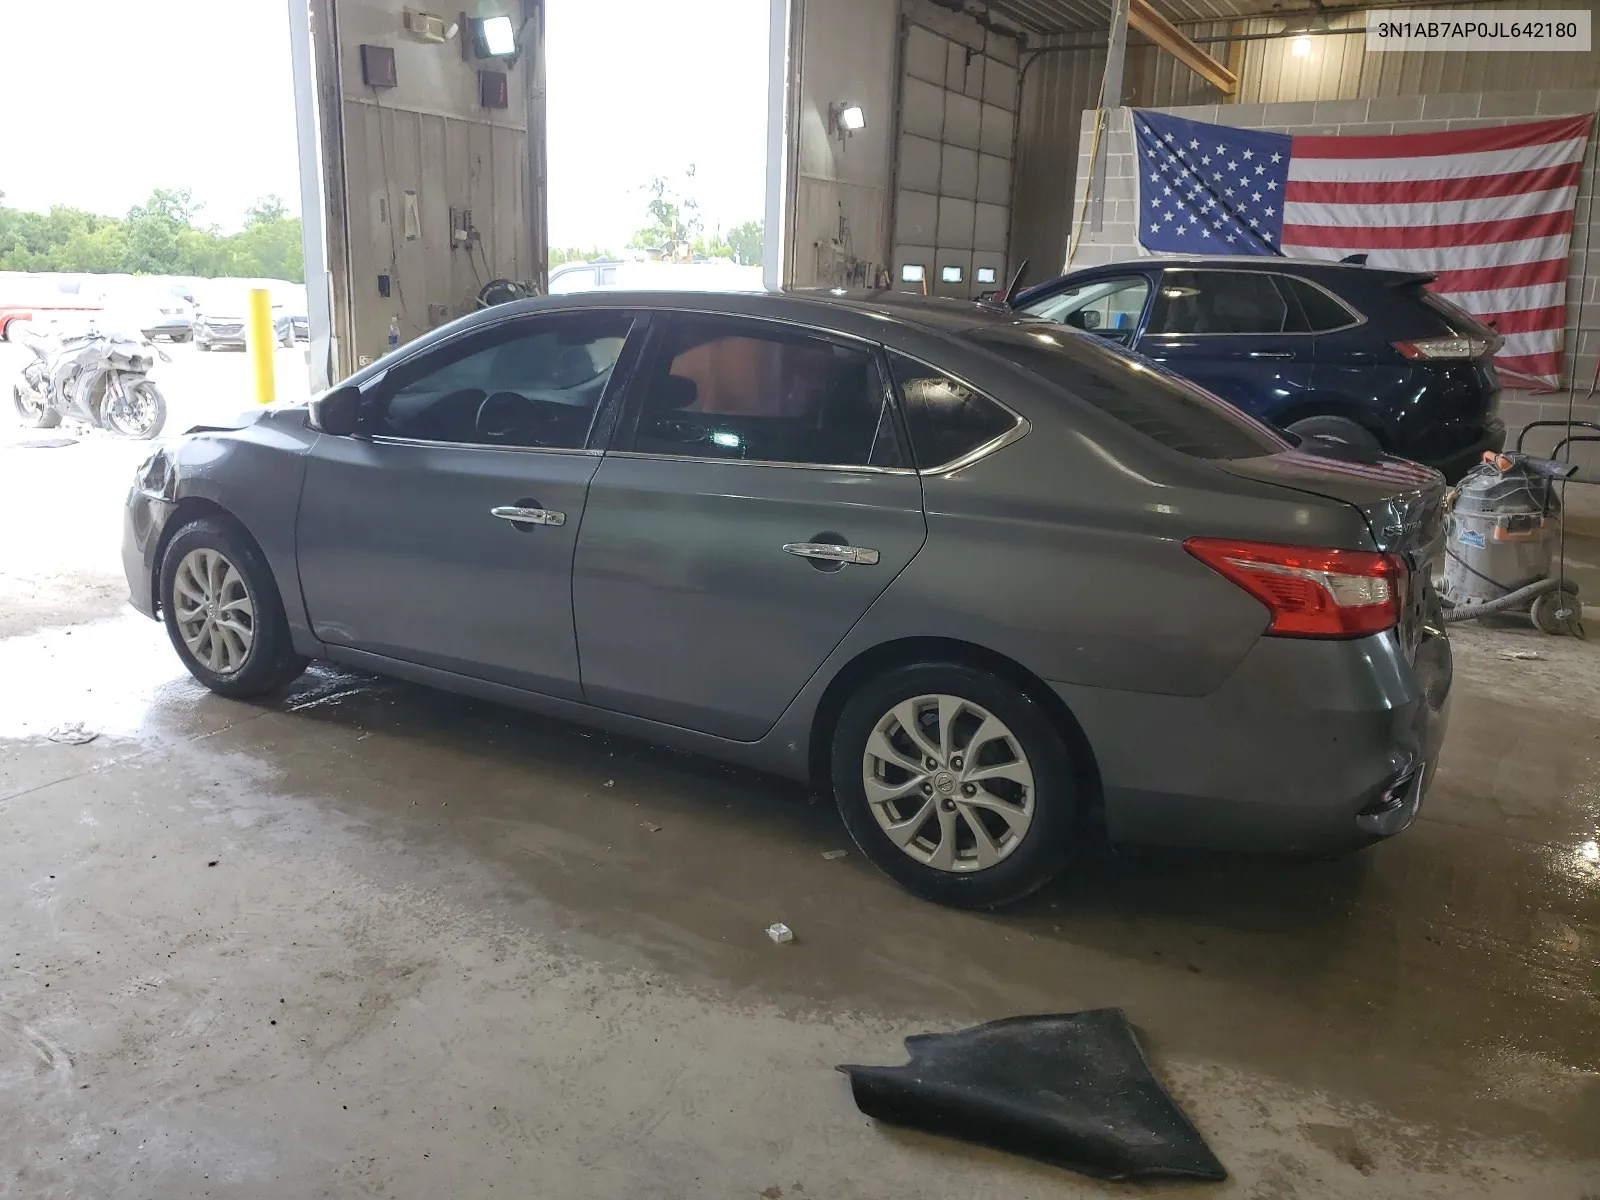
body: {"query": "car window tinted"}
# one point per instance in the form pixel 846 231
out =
pixel 1218 302
pixel 1104 306
pixel 947 419
pixel 1319 311
pixel 1162 406
pixel 725 388
pixel 536 385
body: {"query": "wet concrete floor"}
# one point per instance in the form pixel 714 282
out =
pixel 373 940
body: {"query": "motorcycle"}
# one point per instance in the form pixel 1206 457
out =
pixel 99 378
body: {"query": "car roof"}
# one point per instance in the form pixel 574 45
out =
pixel 861 313
pixel 1324 270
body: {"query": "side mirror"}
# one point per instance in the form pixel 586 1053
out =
pixel 1091 319
pixel 337 412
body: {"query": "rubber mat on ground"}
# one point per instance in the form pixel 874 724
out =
pixel 1072 1089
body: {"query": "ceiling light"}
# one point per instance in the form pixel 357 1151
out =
pixel 1300 47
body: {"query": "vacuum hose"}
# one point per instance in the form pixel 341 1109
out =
pixel 1522 595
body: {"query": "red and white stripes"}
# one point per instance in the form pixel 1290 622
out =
pixel 1490 211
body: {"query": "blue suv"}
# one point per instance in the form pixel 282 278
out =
pixel 1353 353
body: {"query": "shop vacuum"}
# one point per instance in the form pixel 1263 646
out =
pixel 1504 551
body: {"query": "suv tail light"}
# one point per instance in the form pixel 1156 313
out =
pixel 1445 347
pixel 1312 592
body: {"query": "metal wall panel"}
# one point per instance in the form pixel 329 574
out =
pixel 1056 89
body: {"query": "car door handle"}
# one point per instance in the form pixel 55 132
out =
pixel 859 556
pixel 529 516
pixel 1272 354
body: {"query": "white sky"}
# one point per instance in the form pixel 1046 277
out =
pixel 109 99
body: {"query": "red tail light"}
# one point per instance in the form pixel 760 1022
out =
pixel 1312 592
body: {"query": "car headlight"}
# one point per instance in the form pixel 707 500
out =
pixel 157 477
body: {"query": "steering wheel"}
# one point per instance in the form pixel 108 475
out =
pixel 512 419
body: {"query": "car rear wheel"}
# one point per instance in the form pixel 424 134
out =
pixel 223 612
pixel 955 784
pixel 1336 429
pixel 33 410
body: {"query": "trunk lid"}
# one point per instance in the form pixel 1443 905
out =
pixel 1403 504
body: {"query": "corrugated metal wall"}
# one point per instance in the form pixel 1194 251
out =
pixel 1056 88
pixel 1059 86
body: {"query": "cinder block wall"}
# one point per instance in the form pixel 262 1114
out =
pixel 1117 239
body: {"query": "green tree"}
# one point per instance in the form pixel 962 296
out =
pixel 674 216
pixel 159 237
pixel 566 254
pixel 745 241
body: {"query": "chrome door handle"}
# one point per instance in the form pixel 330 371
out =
pixel 828 552
pixel 1271 354
pixel 529 516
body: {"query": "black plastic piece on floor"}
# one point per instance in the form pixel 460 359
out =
pixel 1069 1088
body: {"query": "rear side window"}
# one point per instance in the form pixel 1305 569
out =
pixel 1320 310
pixel 720 387
pixel 947 419
pixel 1218 302
pixel 1163 407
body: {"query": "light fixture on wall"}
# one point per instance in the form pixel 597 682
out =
pixel 1300 47
pixel 844 119
pixel 493 37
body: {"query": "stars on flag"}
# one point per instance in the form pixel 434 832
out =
pixel 1209 181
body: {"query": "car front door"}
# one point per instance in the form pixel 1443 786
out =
pixel 442 532
pixel 758 498
pixel 1235 333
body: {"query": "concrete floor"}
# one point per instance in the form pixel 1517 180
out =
pixel 372 940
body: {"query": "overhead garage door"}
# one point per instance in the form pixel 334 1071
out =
pixel 953 182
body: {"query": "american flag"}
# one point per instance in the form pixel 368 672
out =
pixel 1488 211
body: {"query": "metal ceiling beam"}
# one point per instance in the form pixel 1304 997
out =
pixel 1171 39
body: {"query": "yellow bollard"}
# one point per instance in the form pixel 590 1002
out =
pixel 262 340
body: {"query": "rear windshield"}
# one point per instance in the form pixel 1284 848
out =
pixel 1137 392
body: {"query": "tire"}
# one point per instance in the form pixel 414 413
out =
pixel 268 661
pixel 44 417
pixel 203 347
pixel 1337 429
pixel 151 413
pixel 965 698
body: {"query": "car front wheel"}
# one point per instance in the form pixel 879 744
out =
pixel 955 784
pixel 223 612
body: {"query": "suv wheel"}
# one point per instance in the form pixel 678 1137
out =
pixel 1336 429
pixel 223 613
pixel 955 784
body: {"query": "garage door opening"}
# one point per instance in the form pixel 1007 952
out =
pixel 656 123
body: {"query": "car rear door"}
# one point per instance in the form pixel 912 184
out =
pixel 1235 333
pixel 442 533
pixel 757 500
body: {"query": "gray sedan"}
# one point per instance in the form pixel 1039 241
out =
pixel 993 583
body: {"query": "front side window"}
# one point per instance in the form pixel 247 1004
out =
pixel 534 385
pixel 719 387
pixel 946 418
pixel 1106 306
pixel 1218 302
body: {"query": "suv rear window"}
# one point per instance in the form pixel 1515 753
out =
pixel 1163 407
pixel 1322 312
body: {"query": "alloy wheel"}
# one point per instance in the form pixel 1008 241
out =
pixel 132 413
pixel 215 614
pixel 948 782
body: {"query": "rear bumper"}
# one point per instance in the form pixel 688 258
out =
pixel 143 519
pixel 1309 748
